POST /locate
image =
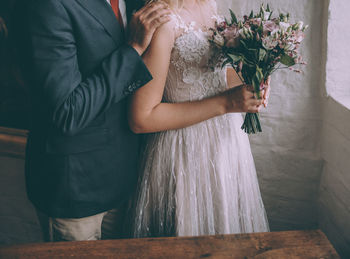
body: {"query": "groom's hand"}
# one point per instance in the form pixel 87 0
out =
pixel 242 99
pixel 144 23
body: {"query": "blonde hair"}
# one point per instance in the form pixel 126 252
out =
pixel 175 4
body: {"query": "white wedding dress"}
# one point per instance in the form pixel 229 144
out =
pixel 200 180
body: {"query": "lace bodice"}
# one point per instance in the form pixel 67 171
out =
pixel 195 70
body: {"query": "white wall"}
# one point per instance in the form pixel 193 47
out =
pixel 334 198
pixel 287 153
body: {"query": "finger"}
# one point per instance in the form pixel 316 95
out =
pixel 159 21
pixel 266 90
pixel 248 95
pixel 156 15
pixel 254 95
pixel 253 105
pixel 137 13
pixel 250 88
pixel 254 108
pixel 152 8
pixel 147 7
pixel 266 96
pixel 264 93
pixel 255 102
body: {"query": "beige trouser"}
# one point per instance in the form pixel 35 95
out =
pixel 106 225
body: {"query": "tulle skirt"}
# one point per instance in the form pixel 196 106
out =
pixel 200 180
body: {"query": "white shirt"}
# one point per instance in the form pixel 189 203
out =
pixel 122 8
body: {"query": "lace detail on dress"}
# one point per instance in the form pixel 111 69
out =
pixel 181 25
pixel 195 71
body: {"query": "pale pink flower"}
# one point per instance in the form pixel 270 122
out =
pixel 269 26
pixel 266 15
pixel 284 26
pixel 232 36
pixel 298 36
pixel 300 25
pixel 269 42
pixel 219 40
pixel 231 32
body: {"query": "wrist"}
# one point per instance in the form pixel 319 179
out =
pixel 222 104
pixel 137 48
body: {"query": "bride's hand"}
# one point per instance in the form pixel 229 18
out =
pixel 266 91
pixel 241 99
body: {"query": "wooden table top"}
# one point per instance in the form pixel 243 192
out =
pixel 289 244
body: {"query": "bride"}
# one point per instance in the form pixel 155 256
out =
pixel 198 175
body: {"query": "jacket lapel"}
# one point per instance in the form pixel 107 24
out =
pixel 104 14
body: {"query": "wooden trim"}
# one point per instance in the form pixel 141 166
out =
pixel 289 244
pixel 13 142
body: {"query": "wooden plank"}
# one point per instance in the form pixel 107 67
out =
pixel 289 244
pixel 13 142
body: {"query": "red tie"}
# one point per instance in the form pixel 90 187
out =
pixel 115 7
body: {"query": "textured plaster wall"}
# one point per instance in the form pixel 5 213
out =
pixel 334 198
pixel 287 153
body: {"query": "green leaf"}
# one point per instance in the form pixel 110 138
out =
pixel 287 60
pixel 282 17
pixel 257 79
pixel 262 54
pixel 235 58
pixel 270 15
pixel 243 44
pixel 249 62
pixel 268 9
pixel 253 53
pixel 251 15
pixel 233 17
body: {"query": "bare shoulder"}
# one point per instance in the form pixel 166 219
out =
pixel 165 34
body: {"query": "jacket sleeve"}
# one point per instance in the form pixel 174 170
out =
pixel 74 102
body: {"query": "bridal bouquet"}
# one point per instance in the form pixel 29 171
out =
pixel 256 47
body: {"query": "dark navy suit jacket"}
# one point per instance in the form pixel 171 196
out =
pixel 82 157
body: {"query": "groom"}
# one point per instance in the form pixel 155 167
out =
pixel 81 156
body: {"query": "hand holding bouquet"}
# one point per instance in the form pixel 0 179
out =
pixel 256 47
